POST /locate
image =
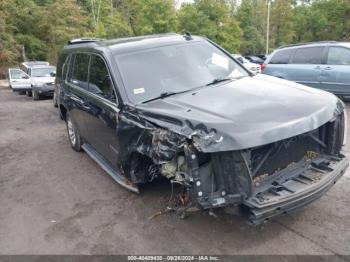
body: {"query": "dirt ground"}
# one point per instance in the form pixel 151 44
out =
pixel 56 201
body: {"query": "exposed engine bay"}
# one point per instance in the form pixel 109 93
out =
pixel 259 177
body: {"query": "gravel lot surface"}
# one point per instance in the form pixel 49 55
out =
pixel 56 201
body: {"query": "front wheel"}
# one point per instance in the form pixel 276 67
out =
pixel 73 135
pixel 55 100
pixel 35 95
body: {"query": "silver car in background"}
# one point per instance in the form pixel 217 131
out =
pixel 323 65
pixel 19 80
pixel 42 78
pixel 255 68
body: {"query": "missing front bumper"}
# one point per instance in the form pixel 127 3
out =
pixel 294 187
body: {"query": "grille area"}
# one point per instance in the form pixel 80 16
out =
pixel 327 139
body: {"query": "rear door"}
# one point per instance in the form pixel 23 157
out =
pixel 18 79
pixel 77 90
pixel 102 121
pixel 336 72
pixel 305 66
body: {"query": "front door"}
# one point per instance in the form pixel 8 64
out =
pixel 19 80
pixel 102 120
pixel 336 73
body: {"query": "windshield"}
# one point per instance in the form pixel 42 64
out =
pixel 43 71
pixel 151 72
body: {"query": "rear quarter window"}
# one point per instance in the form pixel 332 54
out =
pixel 338 56
pixel 281 57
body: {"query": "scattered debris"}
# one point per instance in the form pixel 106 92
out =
pixel 309 155
pixel 258 179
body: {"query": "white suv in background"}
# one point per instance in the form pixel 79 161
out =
pixel 255 68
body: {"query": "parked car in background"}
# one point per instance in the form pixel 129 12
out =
pixel 262 56
pixel 181 107
pixel 42 77
pixel 323 65
pixel 19 80
pixel 256 59
pixel 25 66
pixel 255 68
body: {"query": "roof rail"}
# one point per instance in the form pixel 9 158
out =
pixel 308 43
pixel 83 40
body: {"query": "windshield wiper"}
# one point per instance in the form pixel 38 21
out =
pixel 163 95
pixel 219 80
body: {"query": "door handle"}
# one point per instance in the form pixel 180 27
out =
pixel 81 102
pixel 328 68
pixel 76 99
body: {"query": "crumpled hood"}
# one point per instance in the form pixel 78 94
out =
pixel 245 113
pixel 42 80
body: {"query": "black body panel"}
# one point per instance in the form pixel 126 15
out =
pixel 226 144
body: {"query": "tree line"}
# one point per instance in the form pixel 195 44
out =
pixel 38 29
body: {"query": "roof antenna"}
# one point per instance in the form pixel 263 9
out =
pixel 188 36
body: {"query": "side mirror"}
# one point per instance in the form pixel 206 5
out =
pixel 25 77
pixel 53 74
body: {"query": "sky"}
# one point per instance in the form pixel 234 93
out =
pixel 179 2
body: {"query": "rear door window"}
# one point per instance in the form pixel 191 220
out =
pixel 308 55
pixel 338 56
pixel 281 57
pixel 78 73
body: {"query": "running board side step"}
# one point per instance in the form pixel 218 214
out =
pixel 121 180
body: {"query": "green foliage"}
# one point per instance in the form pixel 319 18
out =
pixel 213 19
pixel 61 21
pixel 152 16
pixel 249 21
pixel 322 20
pixel 38 29
pixel 281 23
pixel 9 49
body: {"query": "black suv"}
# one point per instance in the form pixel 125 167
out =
pixel 181 107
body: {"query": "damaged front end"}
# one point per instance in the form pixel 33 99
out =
pixel 268 180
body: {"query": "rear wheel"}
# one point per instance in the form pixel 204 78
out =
pixel 73 135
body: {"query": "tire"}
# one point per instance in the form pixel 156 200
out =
pixel 73 135
pixel 35 95
pixel 54 100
